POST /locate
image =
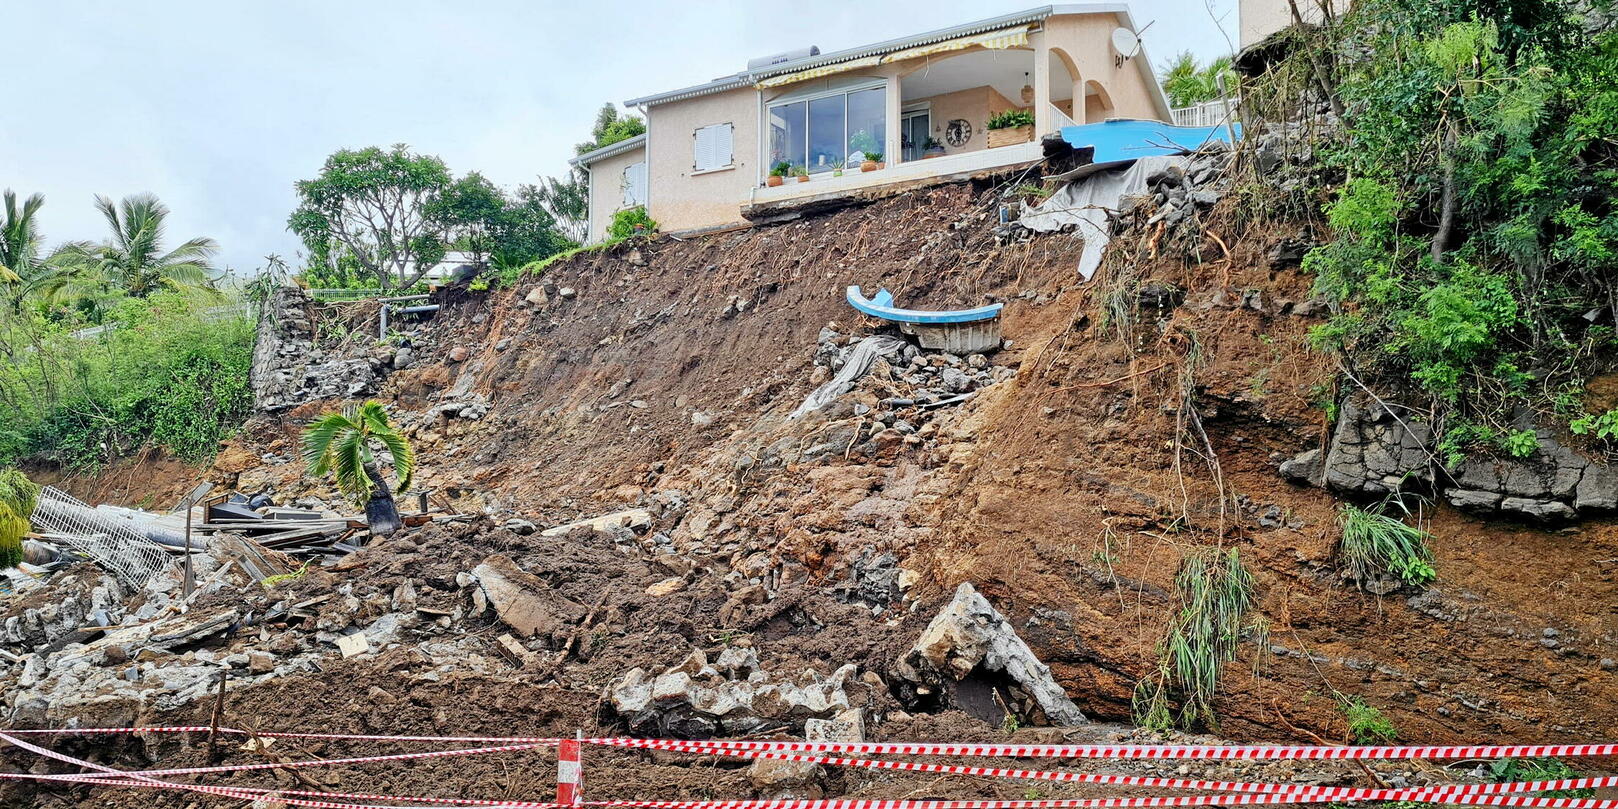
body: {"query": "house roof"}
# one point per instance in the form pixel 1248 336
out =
pixel 625 145
pixel 747 78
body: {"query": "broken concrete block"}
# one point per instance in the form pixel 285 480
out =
pixel 523 602
pixel 630 518
pixel 970 633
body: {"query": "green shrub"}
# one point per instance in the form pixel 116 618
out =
pixel 1011 119
pixel 1365 723
pixel 1375 543
pixel 1518 770
pixel 631 222
pixel 166 372
pixel 1504 123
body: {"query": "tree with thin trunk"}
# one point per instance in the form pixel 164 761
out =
pixel 375 206
pixel 24 268
pixel 349 446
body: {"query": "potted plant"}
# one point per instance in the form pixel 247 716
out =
pixel 933 148
pixel 802 173
pixel 837 168
pixel 865 143
pixel 1011 126
pixel 778 174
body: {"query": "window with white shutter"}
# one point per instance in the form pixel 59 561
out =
pixel 635 184
pixel 712 148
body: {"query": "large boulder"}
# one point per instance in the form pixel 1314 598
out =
pixel 969 635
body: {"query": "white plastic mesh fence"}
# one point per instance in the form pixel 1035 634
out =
pixel 108 540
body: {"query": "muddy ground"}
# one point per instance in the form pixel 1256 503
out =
pixel 662 373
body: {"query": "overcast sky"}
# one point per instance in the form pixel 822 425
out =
pixel 218 107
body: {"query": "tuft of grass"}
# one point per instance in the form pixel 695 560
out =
pixel 1366 724
pixel 1215 592
pixel 269 582
pixel 1375 543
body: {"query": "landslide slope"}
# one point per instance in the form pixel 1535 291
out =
pixel 1149 410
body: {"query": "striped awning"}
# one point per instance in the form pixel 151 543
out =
pixel 818 72
pixel 1013 37
pixel 999 39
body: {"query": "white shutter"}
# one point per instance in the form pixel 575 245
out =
pixel 711 148
pixel 635 185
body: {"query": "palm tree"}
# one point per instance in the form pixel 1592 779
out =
pixel 1186 82
pixel 344 444
pixel 18 495
pixel 133 262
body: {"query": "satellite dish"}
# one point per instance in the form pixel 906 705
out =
pixel 1124 43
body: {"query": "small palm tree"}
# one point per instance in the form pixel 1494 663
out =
pixel 133 261
pixel 345 444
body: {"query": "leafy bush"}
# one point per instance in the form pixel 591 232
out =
pixel 1375 543
pixel 1518 770
pixel 169 371
pixel 1011 119
pixel 1479 222
pixel 631 222
pixel 1365 723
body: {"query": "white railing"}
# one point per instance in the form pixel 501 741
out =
pixel 1060 119
pixel 1207 113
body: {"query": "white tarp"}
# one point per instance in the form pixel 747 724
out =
pixel 857 363
pixel 1088 202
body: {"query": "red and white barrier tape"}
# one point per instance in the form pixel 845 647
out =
pixel 538 741
pixel 1337 793
pixel 570 773
pixel 1210 752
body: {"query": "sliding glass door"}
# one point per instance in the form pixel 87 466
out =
pixel 826 130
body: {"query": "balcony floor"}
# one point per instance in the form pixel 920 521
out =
pixel 795 194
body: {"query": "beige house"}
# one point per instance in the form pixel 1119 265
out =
pixel 1260 18
pixel 921 103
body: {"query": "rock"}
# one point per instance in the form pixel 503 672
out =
pixel 1204 198
pixel 403 358
pixel 633 693
pixel 1307 468
pixel 457 354
pixel 968 633
pixel 260 662
pixel 955 380
pixel 1475 501
pixel 1374 452
pixel 666 587
pixel 629 518
pixel 523 602
pixel 505 343
pixel 520 527
pixel 536 296
pixel 701 420
pixel 567 293
pixel 786 780
pixel 1547 511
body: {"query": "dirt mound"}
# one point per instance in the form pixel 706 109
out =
pixel 1139 417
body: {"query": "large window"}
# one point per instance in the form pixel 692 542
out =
pixel 818 132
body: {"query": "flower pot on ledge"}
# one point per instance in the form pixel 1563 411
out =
pixel 870 165
pixel 774 180
pixel 1010 135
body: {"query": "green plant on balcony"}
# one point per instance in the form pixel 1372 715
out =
pixel 1011 119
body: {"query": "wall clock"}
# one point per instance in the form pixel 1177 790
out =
pixel 958 132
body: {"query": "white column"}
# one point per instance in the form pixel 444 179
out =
pixel 894 147
pixel 1042 85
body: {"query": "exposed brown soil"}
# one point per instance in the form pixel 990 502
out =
pixel 1062 494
